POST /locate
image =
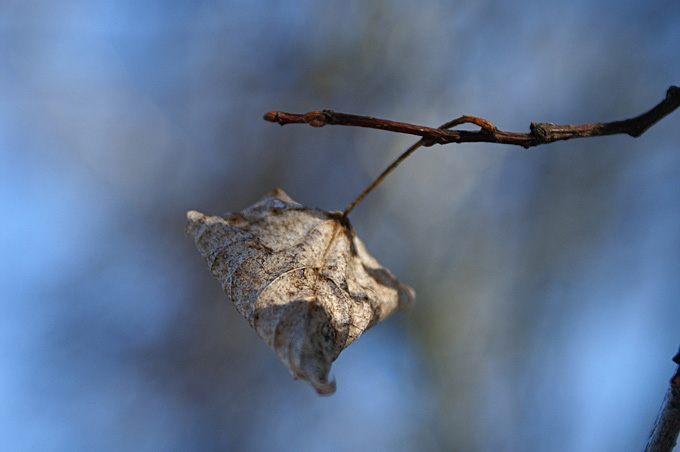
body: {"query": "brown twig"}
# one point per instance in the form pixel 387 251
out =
pixel 664 436
pixel 541 133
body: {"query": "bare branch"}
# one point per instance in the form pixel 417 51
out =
pixel 665 433
pixel 541 133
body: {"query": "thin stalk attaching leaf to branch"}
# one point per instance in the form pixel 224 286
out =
pixel 483 123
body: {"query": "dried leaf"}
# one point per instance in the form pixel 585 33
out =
pixel 301 277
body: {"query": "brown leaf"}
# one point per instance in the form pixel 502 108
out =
pixel 301 277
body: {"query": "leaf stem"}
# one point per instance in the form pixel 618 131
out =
pixel 382 176
pixel 425 141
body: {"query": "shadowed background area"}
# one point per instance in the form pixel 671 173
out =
pixel 548 279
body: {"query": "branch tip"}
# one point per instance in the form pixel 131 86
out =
pixel 271 116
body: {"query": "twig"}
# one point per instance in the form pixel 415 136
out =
pixel 541 133
pixel 665 433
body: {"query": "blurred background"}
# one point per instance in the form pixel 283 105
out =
pixel 548 279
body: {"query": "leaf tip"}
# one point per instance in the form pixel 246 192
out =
pixel 194 221
pixel 325 388
pixel 193 215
